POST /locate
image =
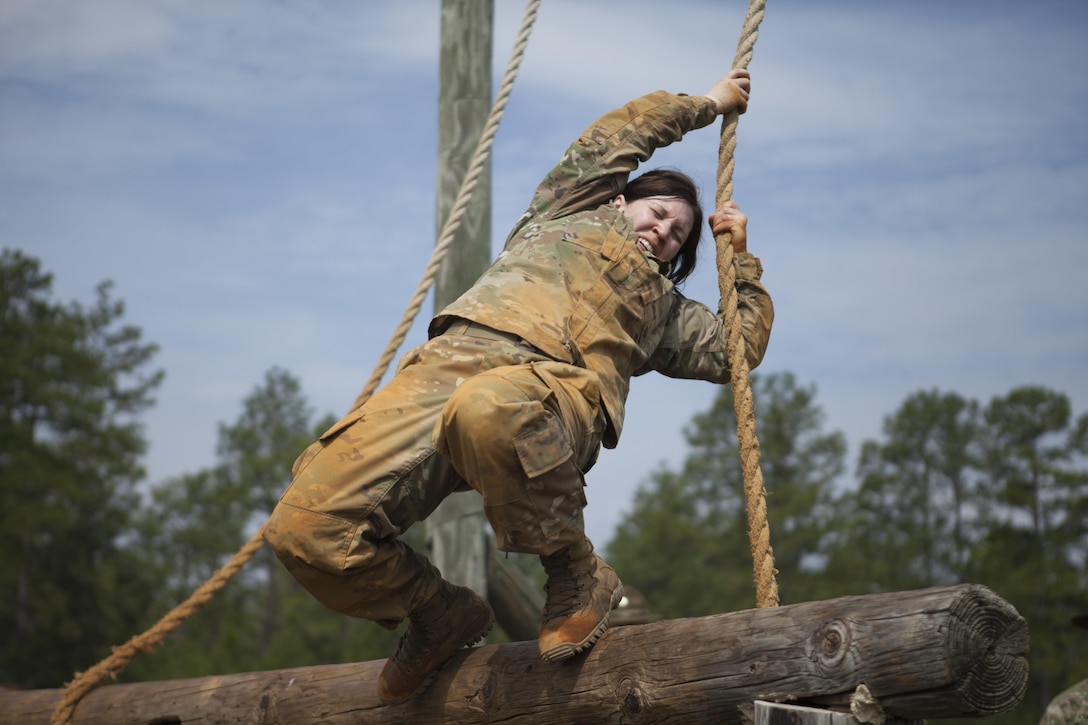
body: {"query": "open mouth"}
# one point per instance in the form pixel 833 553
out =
pixel 645 246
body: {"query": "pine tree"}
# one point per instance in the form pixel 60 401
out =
pixel 1036 542
pixel 910 522
pixel 685 544
pixel 73 382
pixel 262 619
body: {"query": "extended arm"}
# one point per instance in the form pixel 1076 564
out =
pixel 595 167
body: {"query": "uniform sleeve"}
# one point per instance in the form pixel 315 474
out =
pixel 595 167
pixel 1068 708
pixel 694 343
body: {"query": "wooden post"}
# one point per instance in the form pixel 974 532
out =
pixel 456 535
pixel 957 651
pixel 516 599
pixel 457 538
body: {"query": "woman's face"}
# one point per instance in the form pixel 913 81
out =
pixel 662 223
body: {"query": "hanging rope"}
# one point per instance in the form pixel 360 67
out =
pixel 759 535
pixel 759 532
pixel 453 221
pixel 84 682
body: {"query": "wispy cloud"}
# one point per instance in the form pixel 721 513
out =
pixel 258 178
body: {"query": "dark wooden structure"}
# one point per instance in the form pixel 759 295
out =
pixel 942 652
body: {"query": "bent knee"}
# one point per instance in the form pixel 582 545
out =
pixel 300 537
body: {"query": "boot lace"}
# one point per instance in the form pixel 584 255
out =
pixel 564 589
pixel 416 642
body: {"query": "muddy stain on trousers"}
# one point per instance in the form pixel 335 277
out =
pixel 470 408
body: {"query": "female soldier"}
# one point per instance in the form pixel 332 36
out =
pixel 523 378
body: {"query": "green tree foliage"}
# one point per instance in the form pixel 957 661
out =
pixel 73 381
pixel 262 619
pixel 997 496
pixel 916 502
pixel 685 544
pixel 952 492
pixel 1033 548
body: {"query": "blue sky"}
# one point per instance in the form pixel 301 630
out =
pixel 258 180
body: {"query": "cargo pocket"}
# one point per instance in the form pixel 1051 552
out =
pixel 543 447
pixel 542 512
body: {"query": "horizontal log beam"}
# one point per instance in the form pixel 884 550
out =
pixel 955 651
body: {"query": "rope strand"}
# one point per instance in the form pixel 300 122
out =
pixel 755 494
pixel 84 682
pixel 767 589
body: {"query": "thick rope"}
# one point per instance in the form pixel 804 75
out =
pixel 464 195
pixel 84 682
pixel 759 532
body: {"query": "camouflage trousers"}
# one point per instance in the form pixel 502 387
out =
pixel 468 409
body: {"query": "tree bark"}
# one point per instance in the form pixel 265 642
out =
pixel 956 651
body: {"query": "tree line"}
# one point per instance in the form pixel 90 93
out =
pixel 954 490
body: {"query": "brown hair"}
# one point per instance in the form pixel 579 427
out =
pixel 676 184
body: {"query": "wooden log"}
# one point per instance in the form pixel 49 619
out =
pixel 778 713
pixel 944 652
pixel 456 539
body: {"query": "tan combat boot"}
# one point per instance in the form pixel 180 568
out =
pixel 582 590
pixel 453 618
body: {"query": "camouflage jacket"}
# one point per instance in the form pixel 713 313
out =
pixel 1068 708
pixel 572 282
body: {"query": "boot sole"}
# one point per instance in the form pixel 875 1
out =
pixel 567 650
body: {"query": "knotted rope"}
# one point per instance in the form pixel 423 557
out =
pixel 759 533
pixel 84 682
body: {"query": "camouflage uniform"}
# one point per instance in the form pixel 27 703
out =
pixel 1068 708
pixel 523 379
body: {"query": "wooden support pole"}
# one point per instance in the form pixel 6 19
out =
pixel 456 535
pixel 457 539
pixel 516 599
pixel 957 651
pixel 464 102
